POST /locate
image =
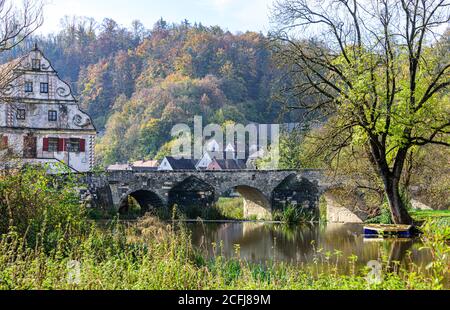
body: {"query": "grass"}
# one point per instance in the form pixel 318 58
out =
pixel 224 209
pixel 323 208
pixel 231 208
pixel 294 215
pixel 154 256
pixel 421 215
pixel 439 216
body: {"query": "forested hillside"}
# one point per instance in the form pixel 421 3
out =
pixel 137 83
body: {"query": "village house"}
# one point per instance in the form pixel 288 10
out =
pixel 119 167
pixel 145 165
pixel 173 164
pixel 213 150
pixel 40 121
pixel 208 158
pixel 227 164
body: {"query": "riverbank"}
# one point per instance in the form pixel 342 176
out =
pixel 154 255
pixel 428 215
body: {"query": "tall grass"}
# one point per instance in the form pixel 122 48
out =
pixel 293 215
pixel 155 256
pixel 231 208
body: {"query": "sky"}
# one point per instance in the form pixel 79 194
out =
pixel 233 15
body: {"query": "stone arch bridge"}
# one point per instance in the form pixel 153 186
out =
pixel 263 191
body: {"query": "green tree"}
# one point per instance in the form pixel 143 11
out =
pixel 153 134
pixel 377 69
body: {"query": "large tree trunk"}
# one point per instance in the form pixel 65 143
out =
pixel 399 212
pixel 391 181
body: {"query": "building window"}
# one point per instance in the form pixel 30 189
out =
pixel 53 144
pixel 52 116
pixel 73 145
pixel 29 146
pixel 3 142
pixel 44 88
pixel 36 64
pixel 21 114
pixel 28 87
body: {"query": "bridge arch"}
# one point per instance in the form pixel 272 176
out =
pixel 146 200
pixel 256 203
pixel 192 196
pixel 297 191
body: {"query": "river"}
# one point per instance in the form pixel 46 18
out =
pixel 303 245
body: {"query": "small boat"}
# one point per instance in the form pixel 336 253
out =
pixel 379 230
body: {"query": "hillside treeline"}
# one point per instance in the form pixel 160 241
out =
pixel 137 83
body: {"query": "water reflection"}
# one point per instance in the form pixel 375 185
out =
pixel 260 243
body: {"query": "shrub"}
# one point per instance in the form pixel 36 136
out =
pixel 384 218
pixel 40 206
pixel 231 208
pixel 292 215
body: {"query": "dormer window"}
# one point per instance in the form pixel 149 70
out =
pixel 44 88
pixel 36 64
pixel 28 87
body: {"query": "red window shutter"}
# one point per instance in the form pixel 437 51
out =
pixel 45 145
pixel 61 146
pixel 5 141
pixel 82 145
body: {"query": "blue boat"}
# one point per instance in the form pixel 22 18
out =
pixel 379 230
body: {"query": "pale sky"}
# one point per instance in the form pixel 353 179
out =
pixel 233 15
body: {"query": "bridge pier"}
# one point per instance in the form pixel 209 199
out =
pixel 256 204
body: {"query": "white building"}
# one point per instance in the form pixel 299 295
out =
pixel 212 146
pixel 214 150
pixel 208 158
pixel 170 163
pixel 40 120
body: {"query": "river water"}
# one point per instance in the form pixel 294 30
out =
pixel 265 242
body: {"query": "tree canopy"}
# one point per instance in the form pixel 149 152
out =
pixel 378 71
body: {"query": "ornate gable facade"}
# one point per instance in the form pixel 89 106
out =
pixel 40 120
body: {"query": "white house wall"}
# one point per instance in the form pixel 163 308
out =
pixel 36 116
pixel 81 162
pixel 71 123
pixel 204 162
pixel 165 166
